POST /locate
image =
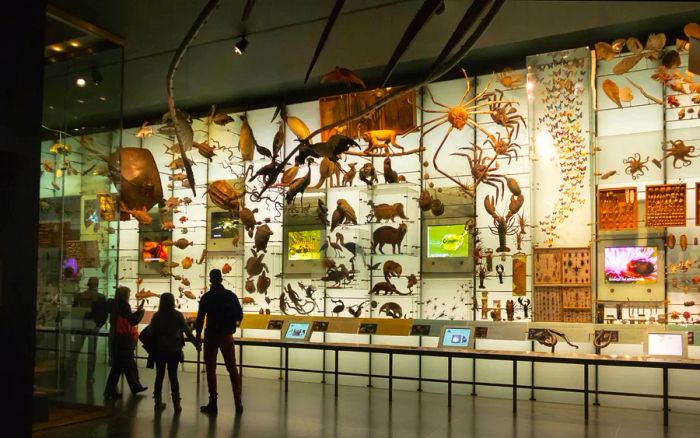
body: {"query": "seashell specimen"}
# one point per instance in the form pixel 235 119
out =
pixel 626 64
pixel 604 51
pixel 634 45
pixel 684 242
pixel 671 241
pixel 626 94
pixel 611 90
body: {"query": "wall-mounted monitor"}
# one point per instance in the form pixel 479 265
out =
pixel 222 225
pixel 302 249
pixel 456 337
pixel 297 331
pixel 70 270
pixel 631 264
pixel 447 247
pixel 304 245
pixel 153 251
pixel 448 241
pixel 670 345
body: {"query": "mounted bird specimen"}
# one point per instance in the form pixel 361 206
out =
pixel 322 212
pixel 246 140
pixel 289 174
pixel 344 213
pixel 295 124
pixel 342 75
pixel 278 141
pixel 335 13
pixel 332 149
pixel 299 185
pixel 217 118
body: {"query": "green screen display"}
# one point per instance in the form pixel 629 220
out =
pixel 304 245
pixel 448 241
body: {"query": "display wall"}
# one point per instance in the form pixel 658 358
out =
pixel 592 187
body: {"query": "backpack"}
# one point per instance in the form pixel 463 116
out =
pixel 100 312
pixel 123 327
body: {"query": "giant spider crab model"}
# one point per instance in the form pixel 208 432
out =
pixel 482 167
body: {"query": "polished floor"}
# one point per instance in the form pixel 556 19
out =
pixel 310 410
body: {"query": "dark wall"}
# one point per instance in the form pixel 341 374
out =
pixel 21 45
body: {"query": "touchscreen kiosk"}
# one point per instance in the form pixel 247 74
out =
pixel 671 345
pixel 297 331
pixel 456 337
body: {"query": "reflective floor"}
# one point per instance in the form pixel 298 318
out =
pixel 310 410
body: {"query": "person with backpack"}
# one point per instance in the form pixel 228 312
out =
pixel 165 336
pixel 122 341
pixel 223 312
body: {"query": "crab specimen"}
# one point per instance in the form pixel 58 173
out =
pixel 509 78
pixel 680 152
pixel 503 146
pixel 504 114
pixel 482 169
pixel 635 165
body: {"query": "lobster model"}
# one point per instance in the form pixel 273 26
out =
pixel 505 225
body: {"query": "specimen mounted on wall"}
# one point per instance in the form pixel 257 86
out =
pixel 666 205
pixel 617 208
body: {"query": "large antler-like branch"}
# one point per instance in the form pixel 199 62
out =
pixel 183 131
pixel 435 74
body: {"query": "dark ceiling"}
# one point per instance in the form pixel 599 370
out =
pixel 283 35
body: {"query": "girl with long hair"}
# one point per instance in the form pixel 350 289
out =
pixel 167 329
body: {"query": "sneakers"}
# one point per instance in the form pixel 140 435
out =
pixel 159 406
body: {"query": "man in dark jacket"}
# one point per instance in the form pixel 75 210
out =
pixel 92 305
pixel 223 312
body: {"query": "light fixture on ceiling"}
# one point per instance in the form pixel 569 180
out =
pixel 80 82
pixel 240 45
pixel 96 75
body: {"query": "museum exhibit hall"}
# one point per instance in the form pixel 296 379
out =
pixel 437 218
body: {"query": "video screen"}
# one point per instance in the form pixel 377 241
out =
pixel 448 241
pixel 70 269
pixel 631 264
pixel 154 251
pixel 665 344
pixel 457 337
pixel 297 330
pixel 304 245
pixel 222 225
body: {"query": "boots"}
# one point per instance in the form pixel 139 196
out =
pixel 158 404
pixel 176 403
pixel 210 408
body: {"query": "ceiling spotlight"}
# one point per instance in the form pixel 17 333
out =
pixel 96 75
pixel 240 46
pixel 80 82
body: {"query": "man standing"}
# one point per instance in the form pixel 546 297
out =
pixel 223 312
pixel 93 305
